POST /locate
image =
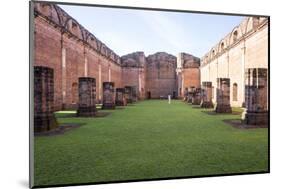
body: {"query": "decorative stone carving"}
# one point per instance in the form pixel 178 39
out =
pixel 223 96
pixel 87 97
pixel 108 95
pixel 256 97
pixel 44 119
pixel 206 93
pixel 120 99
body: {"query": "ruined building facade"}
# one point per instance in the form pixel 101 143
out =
pixel 246 46
pixel 64 45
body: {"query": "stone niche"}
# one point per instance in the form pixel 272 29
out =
pixel 206 95
pixel 134 94
pixel 44 119
pixel 256 97
pixel 223 96
pixel 190 94
pixel 108 95
pixel 128 94
pixel 87 97
pixel 196 99
pixel 120 99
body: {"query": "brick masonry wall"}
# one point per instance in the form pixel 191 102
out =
pixel 47 52
pixel 161 75
pixel 65 46
pixel 250 50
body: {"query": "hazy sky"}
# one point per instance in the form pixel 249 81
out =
pixel 125 31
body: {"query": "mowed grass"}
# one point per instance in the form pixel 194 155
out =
pixel 149 139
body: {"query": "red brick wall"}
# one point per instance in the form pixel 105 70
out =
pixel 47 52
pixel 191 77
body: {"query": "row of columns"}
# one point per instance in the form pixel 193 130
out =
pixel 256 96
pixel 44 119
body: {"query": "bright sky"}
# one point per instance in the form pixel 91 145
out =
pixel 127 30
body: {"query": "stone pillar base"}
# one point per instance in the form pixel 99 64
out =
pixel 207 105
pixel 120 103
pixel 223 109
pixel 86 111
pixel 196 101
pixel 44 123
pixel 130 101
pixel 255 118
pixel 108 106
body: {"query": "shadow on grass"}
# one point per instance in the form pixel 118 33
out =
pixel 237 123
pixel 60 130
pixel 212 112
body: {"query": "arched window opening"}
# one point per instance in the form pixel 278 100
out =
pixel 235 91
pixel 235 36
pixel 256 21
pixel 222 46
pixel 213 53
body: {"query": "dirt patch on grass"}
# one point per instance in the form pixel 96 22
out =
pixel 237 123
pixel 61 129
pixel 101 114
pixel 215 113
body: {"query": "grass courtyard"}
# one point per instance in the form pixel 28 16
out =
pixel 149 139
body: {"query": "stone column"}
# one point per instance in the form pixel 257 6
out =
pixel 87 97
pixel 243 57
pixel 196 100
pixel 256 94
pixel 134 94
pixel 185 94
pixel 190 94
pixel 206 92
pixel 63 76
pixel 99 82
pixel 223 96
pixel 44 119
pixel 120 99
pixel 128 94
pixel 108 101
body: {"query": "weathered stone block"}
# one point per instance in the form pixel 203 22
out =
pixel 190 94
pixel 256 97
pixel 87 97
pixel 196 99
pixel 134 94
pixel 128 94
pixel 206 95
pixel 108 96
pixel 120 99
pixel 223 96
pixel 44 119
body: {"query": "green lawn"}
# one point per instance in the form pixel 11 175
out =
pixel 149 139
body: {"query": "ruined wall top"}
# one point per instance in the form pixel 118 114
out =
pixel 189 61
pixel 59 18
pixel 247 27
pixel 136 60
pixel 162 57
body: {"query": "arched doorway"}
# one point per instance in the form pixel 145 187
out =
pixel 148 95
